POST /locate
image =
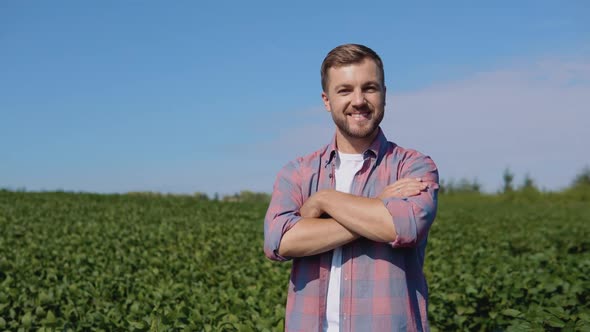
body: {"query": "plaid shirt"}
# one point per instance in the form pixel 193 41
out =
pixel 383 287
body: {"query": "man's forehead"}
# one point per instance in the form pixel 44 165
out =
pixel 350 72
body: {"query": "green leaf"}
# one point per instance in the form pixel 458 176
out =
pixel 512 313
pixel 39 311
pixel 519 326
pixel 584 317
pixel 135 308
pixel 582 326
pixel 137 325
pixel 27 320
pixel 557 312
pixel 470 290
pixel 50 318
pixel 555 322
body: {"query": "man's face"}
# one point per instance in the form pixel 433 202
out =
pixel 356 98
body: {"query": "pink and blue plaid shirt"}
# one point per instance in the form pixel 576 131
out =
pixel 383 287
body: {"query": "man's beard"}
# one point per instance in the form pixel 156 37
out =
pixel 343 126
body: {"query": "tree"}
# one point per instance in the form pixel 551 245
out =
pixel 201 196
pixel 583 179
pixel 475 186
pixel 528 183
pixel 508 177
pixel 459 187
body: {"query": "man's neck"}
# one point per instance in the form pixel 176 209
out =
pixel 354 145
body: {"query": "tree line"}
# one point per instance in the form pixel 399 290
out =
pixel 579 187
pixel 580 182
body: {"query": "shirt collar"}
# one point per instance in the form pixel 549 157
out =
pixel 375 150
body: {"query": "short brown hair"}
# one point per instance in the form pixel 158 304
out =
pixel 348 54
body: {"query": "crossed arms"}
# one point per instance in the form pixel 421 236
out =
pixel 351 217
pixel 294 228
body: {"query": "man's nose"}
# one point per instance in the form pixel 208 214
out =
pixel 358 99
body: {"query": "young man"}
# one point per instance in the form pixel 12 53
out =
pixel 354 216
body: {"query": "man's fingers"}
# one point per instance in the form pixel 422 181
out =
pixel 407 184
pixel 403 191
pixel 405 187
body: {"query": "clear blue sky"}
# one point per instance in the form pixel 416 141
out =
pixel 186 96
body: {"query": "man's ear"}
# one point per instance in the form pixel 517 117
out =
pixel 384 95
pixel 326 101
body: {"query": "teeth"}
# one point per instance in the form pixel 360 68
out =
pixel 359 116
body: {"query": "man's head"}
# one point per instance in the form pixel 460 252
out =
pixel 349 54
pixel 354 91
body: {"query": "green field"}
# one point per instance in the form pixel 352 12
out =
pixel 140 262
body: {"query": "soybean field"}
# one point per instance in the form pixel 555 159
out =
pixel 82 262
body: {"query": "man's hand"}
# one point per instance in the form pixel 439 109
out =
pixel 404 188
pixel 311 207
pixel 401 188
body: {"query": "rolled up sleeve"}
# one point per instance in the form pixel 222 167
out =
pixel 283 211
pixel 413 216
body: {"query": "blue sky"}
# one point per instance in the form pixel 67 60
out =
pixel 189 96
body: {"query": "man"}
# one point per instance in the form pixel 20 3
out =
pixel 354 216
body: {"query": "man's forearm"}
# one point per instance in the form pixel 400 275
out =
pixel 367 217
pixel 311 236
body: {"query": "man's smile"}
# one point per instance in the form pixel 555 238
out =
pixel 359 116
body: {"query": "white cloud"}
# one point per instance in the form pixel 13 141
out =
pixel 531 117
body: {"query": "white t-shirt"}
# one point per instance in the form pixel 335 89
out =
pixel 347 165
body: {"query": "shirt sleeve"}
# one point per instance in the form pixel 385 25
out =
pixel 283 211
pixel 413 216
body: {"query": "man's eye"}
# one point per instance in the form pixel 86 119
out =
pixel 343 91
